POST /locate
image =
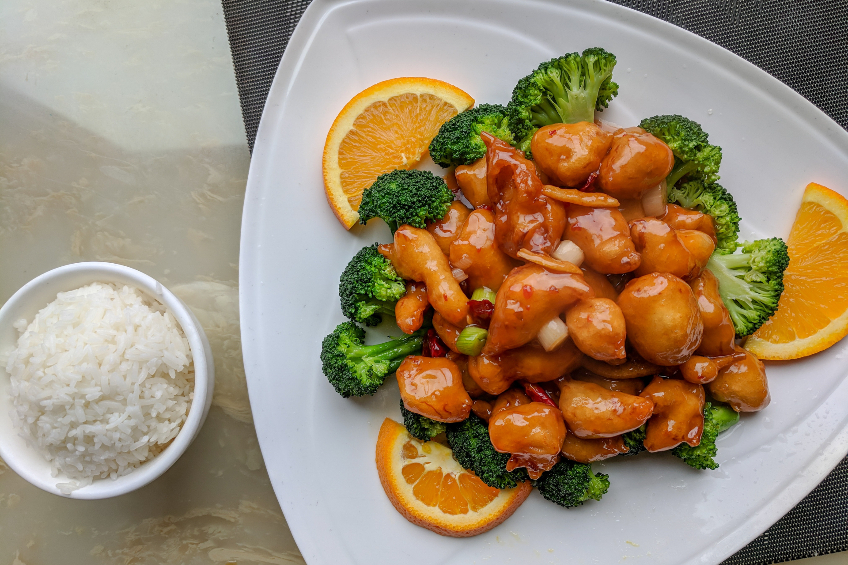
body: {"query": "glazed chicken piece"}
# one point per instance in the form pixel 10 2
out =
pixel 678 414
pixel 533 433
pixel 719 333
pixel 699 244
pixel 593 412
pixel 596 325
pixel 592 450
pixel 446 331
pixel 416 256
pixel 662 318
pixel 600 284
pixel 495 373
pixel 569 153
pixel 743 384
pixel 476 252
pixel 409 310
pixel 632 368
pixel 447 229
pixel 471 180
pixel 702 370
pixel 636 162
pixel 432 387
pixel 528 299
pixel 461 360
pixel 629 386
pixel 604 237
pixel 483 409
pixel 663 249
pixel 524 217
pixel 510 398
pixel 680 218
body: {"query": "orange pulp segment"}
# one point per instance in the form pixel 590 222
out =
pixel 430 489
pixel 813 311
pixel 385 127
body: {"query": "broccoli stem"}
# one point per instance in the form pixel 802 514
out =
pixel 395 363
pixel 736 261
pixel 382 307
pixel 389 350
pixel 548 113
pixel 733 287
pixel 679 172
pixel 724 416
pixel 387 309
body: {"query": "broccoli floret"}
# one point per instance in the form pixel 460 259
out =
pixel 571 484
pixel 566 89
pixel 458 141
pixel 634 440
pixel 717 418
pixel 356 369
pixel 714 200
pixel 693 154
pixel 420 427
pixel 750 283
pixel 473 449
pixel 369 286
pixel 406 197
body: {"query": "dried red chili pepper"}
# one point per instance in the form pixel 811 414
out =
pixel 433 345
pixel 589 185
pixel 538 394
pixel 481 311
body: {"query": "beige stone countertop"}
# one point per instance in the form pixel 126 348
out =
pixel 122 141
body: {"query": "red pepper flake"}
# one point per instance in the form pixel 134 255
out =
pixel 433 345
pixel 528 291
pixel 538 394
pixel 481 311
pixel 552 132
pixel 589 185
pixel 484 207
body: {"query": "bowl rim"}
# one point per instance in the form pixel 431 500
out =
pixel 148 471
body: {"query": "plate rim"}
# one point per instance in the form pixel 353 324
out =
pixel 310 23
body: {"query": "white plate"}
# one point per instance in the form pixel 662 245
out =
pixel 319 448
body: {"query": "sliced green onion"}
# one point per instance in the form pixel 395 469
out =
pixel 471 340
pixel 484 293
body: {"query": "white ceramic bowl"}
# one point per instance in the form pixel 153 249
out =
pixel 34 296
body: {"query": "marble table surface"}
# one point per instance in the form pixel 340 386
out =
pixel 122 141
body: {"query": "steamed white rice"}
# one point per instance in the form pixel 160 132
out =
pixel 101 381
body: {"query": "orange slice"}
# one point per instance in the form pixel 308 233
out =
pixel 813 311
pixel 385 127
pixel 431 490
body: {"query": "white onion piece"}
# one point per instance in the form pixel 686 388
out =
pixel 459 274
pixel 464 262
pixel 607 126
pixel 553 334
pixel 568 251
pixel 653 200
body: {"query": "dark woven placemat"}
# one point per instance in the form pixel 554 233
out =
pixel 803 43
